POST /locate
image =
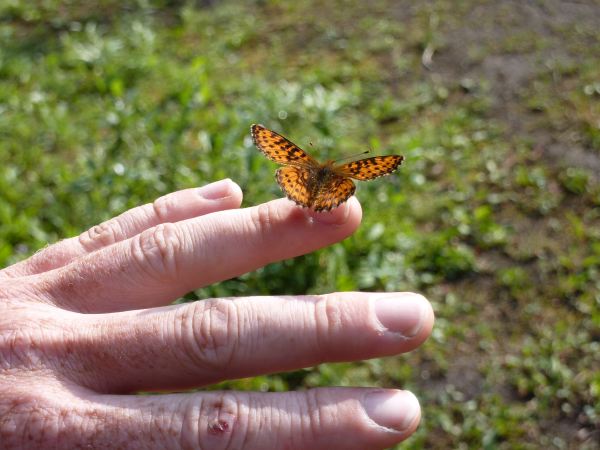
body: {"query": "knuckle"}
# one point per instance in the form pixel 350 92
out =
pixel 19 419
pixel 12 292
pixel 219 421
pixel 32 418
pixel 102 235
pixel 262 219
pixel 163 206
pixel 25 340
pixel 314 416
pixel 156 250
pixel 16 346
pixel 9 356
pixel 329 318
pixel 40 343
pixel 212 329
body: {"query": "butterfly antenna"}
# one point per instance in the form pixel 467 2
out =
pixel 353 156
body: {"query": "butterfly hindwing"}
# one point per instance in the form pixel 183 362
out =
pixel 334 193
pixel 294 182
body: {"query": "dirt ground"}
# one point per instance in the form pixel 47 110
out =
pixel 520 52
pixel 511 45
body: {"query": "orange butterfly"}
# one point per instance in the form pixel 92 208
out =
pixel 311 184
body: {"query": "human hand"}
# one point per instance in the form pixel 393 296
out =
pixel 83 323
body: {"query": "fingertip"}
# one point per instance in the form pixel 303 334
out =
pixel 225 189
pixel 355 212
pixel 355 216
pixel 409 314
pixel 394 409
pixel 235 189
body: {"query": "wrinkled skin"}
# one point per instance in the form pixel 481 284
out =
pixel 86 322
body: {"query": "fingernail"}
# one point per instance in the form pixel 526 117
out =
pixel 337 216
pixel 215 191
pixel 404 314
pixel 392 409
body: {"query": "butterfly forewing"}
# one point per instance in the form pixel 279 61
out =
pixel 370 168
pixel 279 149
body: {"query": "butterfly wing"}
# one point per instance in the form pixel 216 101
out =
pixel 298 186
pixel 370 168
pixel 279 149
pixel 335 192
pixel 294 182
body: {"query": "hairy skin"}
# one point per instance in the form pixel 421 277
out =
pixel 87 322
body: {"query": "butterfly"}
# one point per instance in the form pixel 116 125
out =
pixel 311 184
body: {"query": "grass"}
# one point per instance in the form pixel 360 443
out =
pixel 495 215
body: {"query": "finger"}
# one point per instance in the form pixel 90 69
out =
pixel 201 343
pixel 172 207
pixel 324 418
pixel 165 262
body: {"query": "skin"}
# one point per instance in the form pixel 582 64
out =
pixel 86 322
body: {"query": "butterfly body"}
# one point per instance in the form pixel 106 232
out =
pixel 320 186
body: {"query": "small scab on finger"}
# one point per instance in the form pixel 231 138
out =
pixel 222 420
pixel 218 427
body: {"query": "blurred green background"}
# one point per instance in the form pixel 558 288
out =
pixel 495 215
